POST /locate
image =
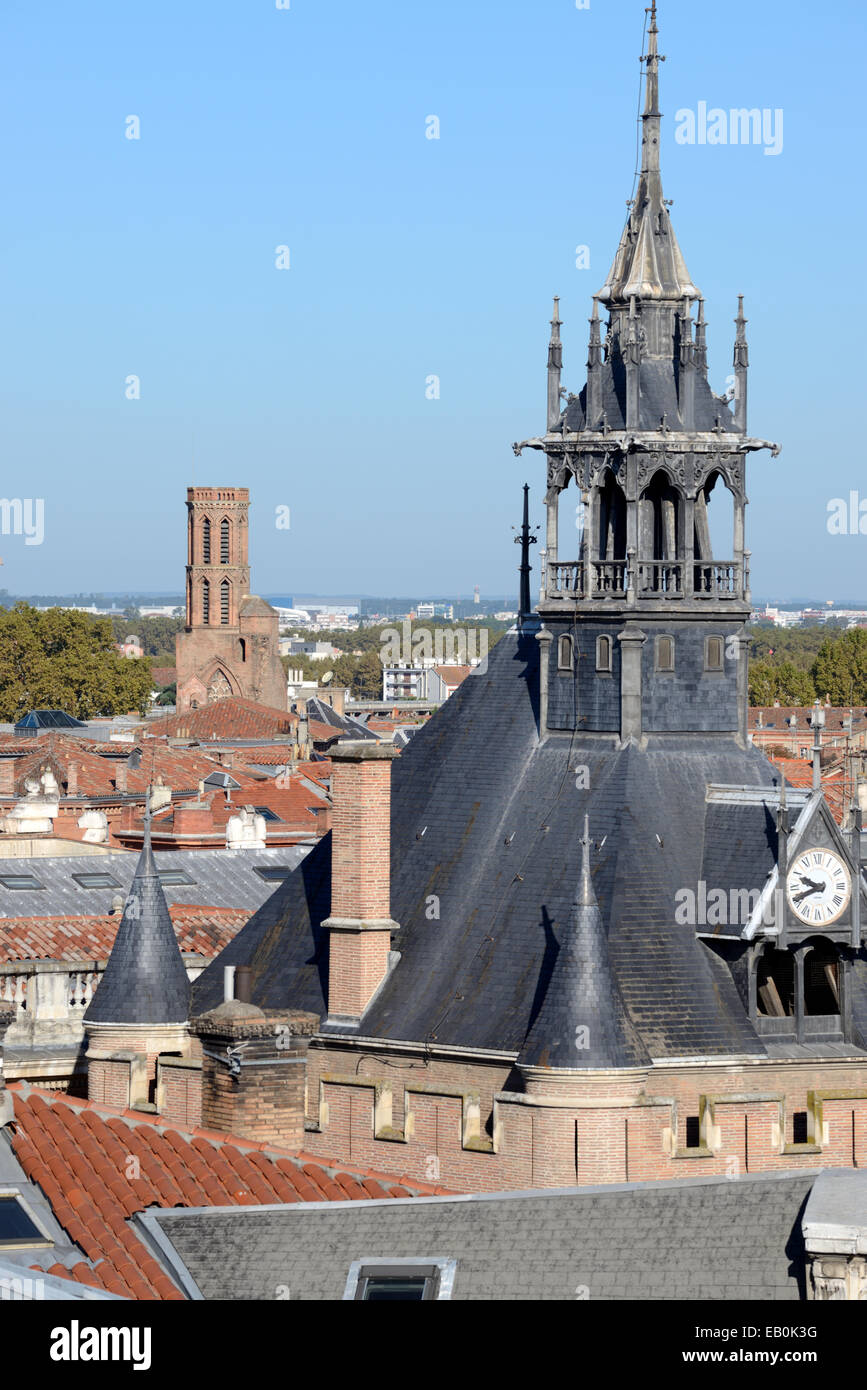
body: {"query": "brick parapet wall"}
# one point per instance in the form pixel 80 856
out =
pixel 453 1122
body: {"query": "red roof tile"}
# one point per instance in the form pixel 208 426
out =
pixel 78 1152
pixel 202 931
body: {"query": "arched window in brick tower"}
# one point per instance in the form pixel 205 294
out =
pixel 224 602
pixel 206 542
pixel 224 541
pixel 206 601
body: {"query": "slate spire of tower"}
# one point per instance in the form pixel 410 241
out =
pixel 583 1023
pixel 145 980
pixel 649 264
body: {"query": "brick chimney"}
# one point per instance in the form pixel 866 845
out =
pixel 7 776
pixel 193 818
pixel 72 779
pixel 254 1072
pixel 360 922
pixel 120 775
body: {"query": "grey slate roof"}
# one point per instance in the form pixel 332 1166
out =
pixel 488 821
pixel 706 1239
pixel 658 397
pixel 219 878
pixel 145 980
pixel 582 1022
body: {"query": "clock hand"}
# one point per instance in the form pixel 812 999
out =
pixel 816 887
pixel 808 893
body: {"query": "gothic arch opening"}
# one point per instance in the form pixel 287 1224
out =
pixel 224 541
pixel 206 541
pixel 775 984
pixel 659 519
pixel 612 520
pixel 225 588
pixel 206 601
pixel 822 979
pixel 714 520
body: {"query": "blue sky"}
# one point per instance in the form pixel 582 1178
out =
pixel 305 127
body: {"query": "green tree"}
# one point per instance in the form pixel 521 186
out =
pixel 840 668
pixel 61 659
pixel 367 680
pixel 785 682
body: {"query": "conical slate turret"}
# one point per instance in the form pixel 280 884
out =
pixel 145 980
pixel 583 1023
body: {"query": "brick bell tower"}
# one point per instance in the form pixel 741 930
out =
pixel 230 644
pixel 644 611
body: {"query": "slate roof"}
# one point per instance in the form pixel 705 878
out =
pixel 145 980
pixel 706 1239
pixel 658 397
pixel 218 878
pixel 77 1154
pixel 323 714
pixel 582 1022
pixel 489 821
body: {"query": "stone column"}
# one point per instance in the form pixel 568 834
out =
pixel 632 640
pixel 544 638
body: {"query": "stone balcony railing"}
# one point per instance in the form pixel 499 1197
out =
pixel 635 580
pixel 50 998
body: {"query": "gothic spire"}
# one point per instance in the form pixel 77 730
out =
pixel 555 367
pixel 145 980
pixel 741 364
pixel 649 263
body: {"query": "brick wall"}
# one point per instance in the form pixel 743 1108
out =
pixel 179 1091
pixel 450 1121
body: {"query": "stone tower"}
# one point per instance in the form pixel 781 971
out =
pixel 642 623
pixel 230 643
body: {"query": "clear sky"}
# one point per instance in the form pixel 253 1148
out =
pixel 305 127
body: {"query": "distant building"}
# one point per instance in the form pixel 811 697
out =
pixel 443 681
pixel 229 644
pixel 404 683
pixel 131 647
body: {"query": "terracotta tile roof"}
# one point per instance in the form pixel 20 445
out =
pixel 202 931
pixel 164 675
pixel 231 718
pixel 798 772
pixel 81 1155
pixel 453 675
pixel 776 717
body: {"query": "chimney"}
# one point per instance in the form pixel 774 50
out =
pixel 360 923
pixel 120 776
pixel 254 1072
pixel 7 776
pixel 72 779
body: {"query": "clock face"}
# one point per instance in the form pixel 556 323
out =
pixel 819 887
